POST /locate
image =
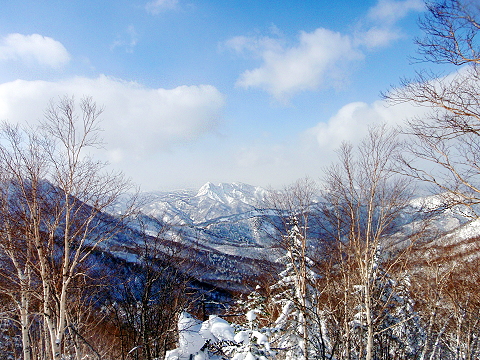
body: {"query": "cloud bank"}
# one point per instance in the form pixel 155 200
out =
pixel 138 121
pixel 352 121
pixel 34 49
pixel 311 151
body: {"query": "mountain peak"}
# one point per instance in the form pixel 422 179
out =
pixel 207 189
pixel 230 192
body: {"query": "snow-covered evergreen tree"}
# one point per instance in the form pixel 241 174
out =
pixel 253 341
pixel 216 339
pixel 300 330
pixel 254 301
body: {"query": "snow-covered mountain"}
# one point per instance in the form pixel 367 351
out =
pixel 210 202
pixel 230 229
pixel 226 226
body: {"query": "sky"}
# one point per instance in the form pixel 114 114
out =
pixel 260 92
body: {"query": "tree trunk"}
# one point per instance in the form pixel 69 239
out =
pixel 24 315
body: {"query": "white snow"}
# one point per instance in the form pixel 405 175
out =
pixel 193 335
pixel 251 316
pixel 217 329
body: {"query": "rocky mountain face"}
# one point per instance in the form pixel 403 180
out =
pixel 210 203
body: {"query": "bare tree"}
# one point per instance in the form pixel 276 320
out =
pixel 364 200
pixel 450 27
pixel 445 145
pixel 445 280
pixel 444 152
pixel 60 194
pixel 20 277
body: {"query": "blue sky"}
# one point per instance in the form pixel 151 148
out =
pixel 260 92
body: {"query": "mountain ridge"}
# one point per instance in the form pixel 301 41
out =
pixel 232 228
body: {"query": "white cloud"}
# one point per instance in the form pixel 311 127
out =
pixel 34 48
pixel 349 123
pixel 378 28
pixel 390 11
pixel 377 37
pixel 157 6
pixel 319 58
pixel 352 121
pixel 138 121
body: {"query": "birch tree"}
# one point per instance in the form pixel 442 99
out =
pixel 444 152
pixel 61 193
pixel 23 163
pixel 364 199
